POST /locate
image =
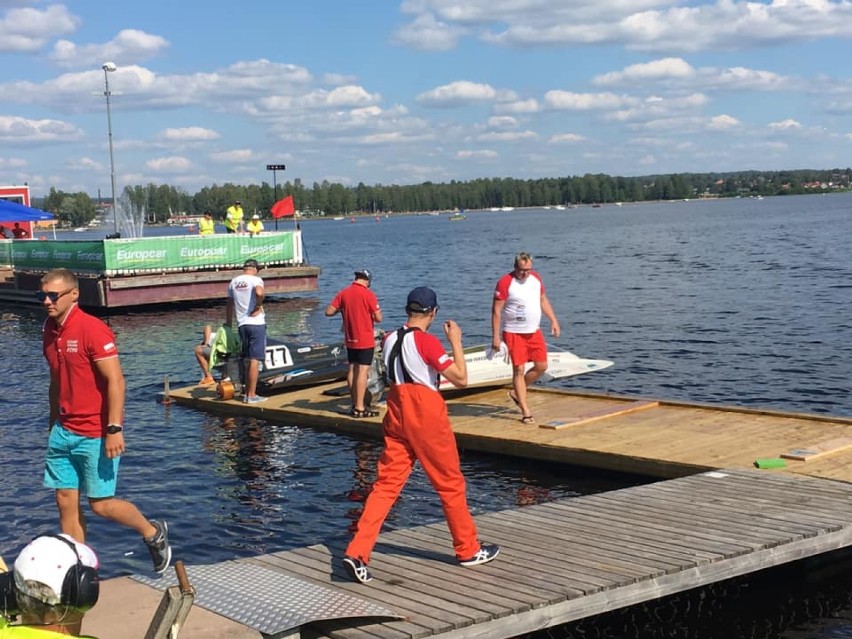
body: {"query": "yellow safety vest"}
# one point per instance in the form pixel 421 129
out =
pixel 233 217
pixel 255 226
pixel 28 632
pixel 206 227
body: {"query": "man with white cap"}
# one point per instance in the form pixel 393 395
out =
pixel 55 582
pixel 255 226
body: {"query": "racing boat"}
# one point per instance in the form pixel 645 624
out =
pixel 288 366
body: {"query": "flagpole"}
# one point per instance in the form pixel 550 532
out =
pixel 274 168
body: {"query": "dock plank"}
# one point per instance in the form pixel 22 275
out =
pixel 600 413
pixel 606 537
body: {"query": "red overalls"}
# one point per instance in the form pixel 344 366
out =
pixel 416 427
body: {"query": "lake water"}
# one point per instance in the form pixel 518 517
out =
pixel 744 302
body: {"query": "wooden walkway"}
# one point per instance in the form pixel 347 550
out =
pixel 573 558
pixel 569 559
pixel 656 438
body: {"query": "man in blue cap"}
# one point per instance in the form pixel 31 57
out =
pixel 417 428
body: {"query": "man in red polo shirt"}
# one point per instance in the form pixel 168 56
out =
pixel 86 411
pixel 361 313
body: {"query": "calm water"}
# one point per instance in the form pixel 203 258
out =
pixel 733 302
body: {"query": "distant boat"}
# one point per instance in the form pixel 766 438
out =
pixel 559 207
pixel 457 217
pixel 507 208
pixel 80 229
pixel 338 217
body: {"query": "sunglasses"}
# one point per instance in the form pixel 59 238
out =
pixel 52 295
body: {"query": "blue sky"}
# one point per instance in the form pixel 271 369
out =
pixel 405 91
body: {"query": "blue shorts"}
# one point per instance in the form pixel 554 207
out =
pixel 253 337
pixel 79 463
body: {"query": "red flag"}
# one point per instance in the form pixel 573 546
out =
pixel 283 208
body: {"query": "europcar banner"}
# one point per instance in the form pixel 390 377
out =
pixel 77 256
pixel 158 254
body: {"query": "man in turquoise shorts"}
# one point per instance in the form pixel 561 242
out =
pixel 86 412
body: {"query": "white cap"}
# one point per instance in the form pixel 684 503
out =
pixel 255 217
pixel 41 567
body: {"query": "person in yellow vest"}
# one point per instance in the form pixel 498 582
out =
pixel 53 583
pixel 234 217
pixel 207 225
pixel 255 226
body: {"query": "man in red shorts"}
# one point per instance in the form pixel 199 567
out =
pixel 361 313
pixel 417 428
pixel 519 301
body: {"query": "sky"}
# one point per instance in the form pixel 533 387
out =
pixel 408 91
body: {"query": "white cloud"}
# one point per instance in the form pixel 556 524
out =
pixel 174 164
pixel 130 46
pixel 18 130
pixel 12 163
pixel 677 73
pixel 484 154
pixel 85 164
pixel 234 156
pixel 502 122
pixel 457 93
pixel 190 134
pixel 507 136
pixel 723 123
pixel 520 106
pixel 29 29
pixel 429 34
pixel 785 125
pixel 570 101
pixel 647 72
pixel 644 25
pixel 566 138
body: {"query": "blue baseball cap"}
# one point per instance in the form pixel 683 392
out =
pixel 421 300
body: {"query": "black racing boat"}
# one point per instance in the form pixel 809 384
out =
pixel 296 366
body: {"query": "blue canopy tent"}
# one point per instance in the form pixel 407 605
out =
pixel 14 212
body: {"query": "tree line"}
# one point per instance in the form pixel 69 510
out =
pixel 160 202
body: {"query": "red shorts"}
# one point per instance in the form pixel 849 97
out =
pixel 526 347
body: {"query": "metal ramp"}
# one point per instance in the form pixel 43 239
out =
pixel 269 601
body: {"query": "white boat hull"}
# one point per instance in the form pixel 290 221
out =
pixel 482 371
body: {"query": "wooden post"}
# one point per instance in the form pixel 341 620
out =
pixel 166 398
pixel 173 609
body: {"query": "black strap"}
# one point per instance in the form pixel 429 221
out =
pixel 396 353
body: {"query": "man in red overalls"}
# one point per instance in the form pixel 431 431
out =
pixel 417 428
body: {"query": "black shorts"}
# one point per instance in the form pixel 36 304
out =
pixel 362 356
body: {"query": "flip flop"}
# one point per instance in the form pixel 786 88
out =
pixel 527 419
pixel 513 398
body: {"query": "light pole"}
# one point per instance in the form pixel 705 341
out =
pixel 108 68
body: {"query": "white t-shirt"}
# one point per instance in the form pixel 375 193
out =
pixel 522 310
pixel 241 290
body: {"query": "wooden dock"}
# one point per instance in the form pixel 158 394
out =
pixel 657 438
pixel 572 558
pixel 565 560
